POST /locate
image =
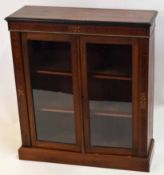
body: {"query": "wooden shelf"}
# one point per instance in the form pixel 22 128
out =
pixel 53 67
pixel 69 111
pixel 110 109
pixel 47 72
pixel 99 76
pixel 96 113
pixel 112 71
pixel 112 77
pixel 112 114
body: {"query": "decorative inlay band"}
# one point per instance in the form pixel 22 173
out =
pixel 76 28
pixel 20 92
pixel 143 101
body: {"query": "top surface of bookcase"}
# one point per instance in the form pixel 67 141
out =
pixel 84 15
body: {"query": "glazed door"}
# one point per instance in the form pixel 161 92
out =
pixel 53 92
pixel 109 78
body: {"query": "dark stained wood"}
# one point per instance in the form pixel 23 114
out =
pixel 151 89
pixel 82 29
pixel 85 106
pixel 45 72
pixel 146 91
pixel 111 77
pixel 135 84
pixel 77 92
pixel 84 15
pixel 58 110
pixel 98 160
pixel 21 88
pixel 79 26
pixel 143 96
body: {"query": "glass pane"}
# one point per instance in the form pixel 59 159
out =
pixel 52 93
pixel 110 100
pixel 50 56
pixel 109 59
pixel 111 131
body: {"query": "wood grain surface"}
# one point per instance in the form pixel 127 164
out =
pixel 84 15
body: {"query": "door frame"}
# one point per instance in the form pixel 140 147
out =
pixel 135 82
pixel 75 83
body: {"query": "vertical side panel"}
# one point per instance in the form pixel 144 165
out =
pixel 143 96
pixel 20 87
pixel 151 89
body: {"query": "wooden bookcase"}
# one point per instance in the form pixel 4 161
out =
pixel 84 80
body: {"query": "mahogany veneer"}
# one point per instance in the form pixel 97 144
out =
pixel 85 80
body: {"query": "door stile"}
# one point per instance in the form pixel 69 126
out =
pixel 135 94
